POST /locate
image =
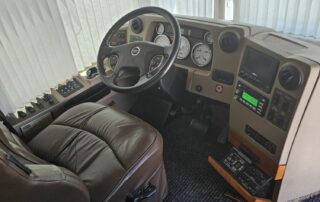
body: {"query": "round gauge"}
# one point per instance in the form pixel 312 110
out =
pixel 160 28
pixel 201 54
pixel 184 49
pixel 208 37
pixel 162 40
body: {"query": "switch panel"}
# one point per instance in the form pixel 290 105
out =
pixel 281 109
pixel 69 88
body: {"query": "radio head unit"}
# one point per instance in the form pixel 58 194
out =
pixel 258 69
pixel 251 99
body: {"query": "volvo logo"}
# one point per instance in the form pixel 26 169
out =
pixel 135 51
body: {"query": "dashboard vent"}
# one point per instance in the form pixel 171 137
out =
pixel 290 77
pixel 229 42
pixel 136 25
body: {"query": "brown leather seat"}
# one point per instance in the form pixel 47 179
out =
pixel 91 152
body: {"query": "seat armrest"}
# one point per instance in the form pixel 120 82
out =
pixel 44 183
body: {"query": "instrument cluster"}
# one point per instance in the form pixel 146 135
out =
pixel 196 47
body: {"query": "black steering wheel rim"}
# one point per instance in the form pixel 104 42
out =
pixel 174 48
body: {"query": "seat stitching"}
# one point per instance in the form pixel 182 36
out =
pixel 105 141
pixel 76 135
pixel 75 148
pixel 85 121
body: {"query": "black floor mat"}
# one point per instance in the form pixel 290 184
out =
pixel 190 177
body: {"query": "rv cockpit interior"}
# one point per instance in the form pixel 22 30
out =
pixel 175 108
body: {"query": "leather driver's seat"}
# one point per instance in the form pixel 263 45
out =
pixel 91 152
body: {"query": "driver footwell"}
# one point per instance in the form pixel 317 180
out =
pixel 190 177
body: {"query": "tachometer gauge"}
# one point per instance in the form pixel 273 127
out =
pixel 184 49
pixel 201 54
pixel 162 40
pixel 208 37
pixel 160 28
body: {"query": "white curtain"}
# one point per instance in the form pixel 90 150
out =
pixel 34 51
pixel 297 17
pixel 199 8
pixel 87 21
pixel 45 42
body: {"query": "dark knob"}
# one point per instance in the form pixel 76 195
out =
pixel 47 97
pixel 39 105
pixel 30 109
pixel 91 73
pixel 198 88
pixel 22 114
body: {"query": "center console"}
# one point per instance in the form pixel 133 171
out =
pixel 266 96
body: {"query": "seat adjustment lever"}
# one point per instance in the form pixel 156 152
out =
pixel 145 192
pixel 18 164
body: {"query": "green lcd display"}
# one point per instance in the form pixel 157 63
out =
pixel 246 96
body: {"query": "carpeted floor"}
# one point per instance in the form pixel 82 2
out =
pixel 190 177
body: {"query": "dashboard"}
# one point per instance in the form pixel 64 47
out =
pixel 249 68
pixel 266 78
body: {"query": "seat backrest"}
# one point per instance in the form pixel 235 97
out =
pixel 26 177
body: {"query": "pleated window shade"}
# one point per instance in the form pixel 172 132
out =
pixel 87 21
pixel 297 17
pixel 34 51
pixel 198 8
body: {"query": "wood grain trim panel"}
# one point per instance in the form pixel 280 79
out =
pixel 234 183
pixel 280 172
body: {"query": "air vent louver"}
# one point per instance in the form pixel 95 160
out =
pixel 229 42
pixel 136 25
pixel 290 77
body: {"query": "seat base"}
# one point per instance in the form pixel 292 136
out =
pixel 113 153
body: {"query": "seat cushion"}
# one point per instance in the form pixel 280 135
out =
pixel 103 146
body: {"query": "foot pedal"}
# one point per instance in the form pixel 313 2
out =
pixel 199 126
pixel 223 136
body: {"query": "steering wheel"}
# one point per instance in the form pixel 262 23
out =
pixel 138 65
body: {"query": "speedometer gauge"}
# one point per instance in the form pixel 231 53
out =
pixel 201 54
pixel 162 40
pixel 184 49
